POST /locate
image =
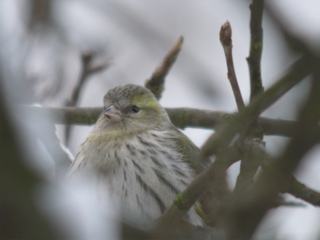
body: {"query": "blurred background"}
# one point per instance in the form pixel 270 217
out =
pixel 41 43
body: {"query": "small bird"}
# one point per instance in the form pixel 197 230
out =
pixel 139 154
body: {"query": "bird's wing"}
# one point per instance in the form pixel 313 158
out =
pixel 191 153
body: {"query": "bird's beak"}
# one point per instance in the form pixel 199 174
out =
pixel 113 113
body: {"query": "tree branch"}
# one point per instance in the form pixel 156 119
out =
pixel 203 182
pixel 254 205
pixel 256 45
pixel 20 216
pixel 294 187
pixel 300 190
pixel 181 117
pixel 250 162
pixel 226 41
pixel 156 82
pixel 87 70
pixel 222 138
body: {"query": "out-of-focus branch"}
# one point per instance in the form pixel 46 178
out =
pixel 297 43
pixel 56 150
pixel 303 192
pixel 156 82
pixel 203 182
pixel 40 14
pixel 226 133
pixel 223 136
pixel 250 162
pixel 276 178
pixel 129 232
pixel 181 117
pixel 226 41
pixel 182 232
pixel 294 187
pixel 87 70
pixel 256 45
pixel 20 216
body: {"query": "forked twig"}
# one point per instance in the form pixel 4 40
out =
pixel 88 68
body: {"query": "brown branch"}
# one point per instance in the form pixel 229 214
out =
pixel 249 165
pixel 256 45
pixel 300 190
pixel 299 71
pixel 21 216
pixel 296 42
pixel 226 41
pixel 254 205
pixel 87 70
pixel 181 117
pixel 250 162
pixel 294 187
pixel 156 82
pixel 223 136
pixel 203 182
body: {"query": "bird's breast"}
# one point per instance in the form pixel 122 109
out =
pixel 143 172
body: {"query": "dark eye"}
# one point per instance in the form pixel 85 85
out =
pixel 135 109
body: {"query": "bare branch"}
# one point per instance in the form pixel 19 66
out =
pixel 203 182
pixel 225 134
pixel 156 82
pixel 20 215
pixel 87 70
pixel 256 45
pixel 254 205
pixel 303 192
pixel 250 162
pixel 294 187
pixel 181 117
pixel 249 165
pixel 226 41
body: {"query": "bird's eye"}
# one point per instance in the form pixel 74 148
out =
pixel 135 109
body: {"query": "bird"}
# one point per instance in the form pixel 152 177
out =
pixel 137 152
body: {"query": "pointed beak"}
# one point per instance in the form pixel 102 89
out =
pixel 113 113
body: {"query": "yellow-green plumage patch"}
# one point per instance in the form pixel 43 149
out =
pixel 145 100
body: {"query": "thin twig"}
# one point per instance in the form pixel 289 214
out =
pixel 254 205
pixel 88 68
pixel 249 165
pixel 277 178
pixel 226 41
pixel 226 133
pixel 250 162
pixel 156 82
pixel 185 200
pixel 294 187
pixel 256 45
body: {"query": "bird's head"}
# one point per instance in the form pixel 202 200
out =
pixel 132 108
